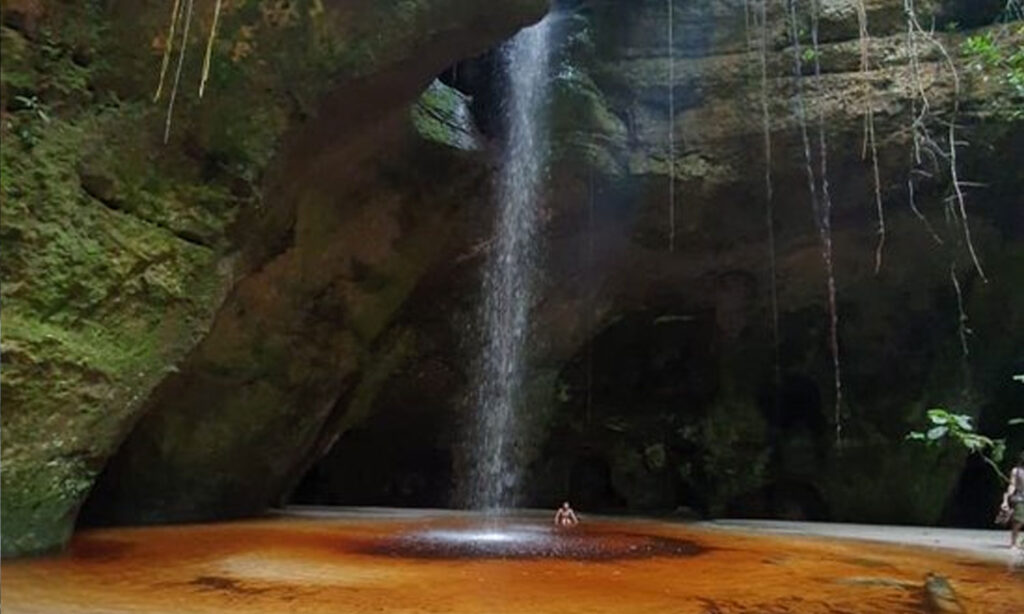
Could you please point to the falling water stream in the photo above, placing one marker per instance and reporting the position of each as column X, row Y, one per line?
column 509, row 272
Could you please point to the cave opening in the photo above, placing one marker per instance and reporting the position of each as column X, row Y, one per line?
column 294, row 318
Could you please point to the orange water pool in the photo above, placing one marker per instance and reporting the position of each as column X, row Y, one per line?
column 391, row 563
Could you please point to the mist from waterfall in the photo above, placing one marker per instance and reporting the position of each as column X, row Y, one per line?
column 509, row 272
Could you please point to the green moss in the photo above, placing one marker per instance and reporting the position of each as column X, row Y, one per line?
column 113, row 245
column 441, row 115
column 995, row 60
column 585, row 126
column 100, row 296
column 735, row 451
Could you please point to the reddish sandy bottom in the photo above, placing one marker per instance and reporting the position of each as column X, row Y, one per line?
column 460, row 564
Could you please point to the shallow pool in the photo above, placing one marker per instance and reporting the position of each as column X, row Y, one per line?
column 444, row 562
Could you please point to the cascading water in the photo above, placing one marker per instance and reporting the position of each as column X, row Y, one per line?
column 508, row 283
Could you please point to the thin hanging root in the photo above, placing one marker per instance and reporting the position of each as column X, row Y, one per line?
column 768, row 188
column 826, row 226
column 177, row 72
column 589, row 322
column 1014, row 9
column 962, row 315
column 920, row 130
column 878, row 191
column 920, row 216
column 823, row 208
column 953, row 173
column 870, row 144
column 671, row 131
column 749, row 19
column 209, row 48
column 957, row 188
column 168, row 44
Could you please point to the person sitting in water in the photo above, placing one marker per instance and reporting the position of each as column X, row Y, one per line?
column 565, row 517
column 1013, row 500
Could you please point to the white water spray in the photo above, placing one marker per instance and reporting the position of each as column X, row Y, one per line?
column 509, row 274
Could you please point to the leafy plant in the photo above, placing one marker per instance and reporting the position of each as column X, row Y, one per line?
column 947, row 426
column 1000, row 58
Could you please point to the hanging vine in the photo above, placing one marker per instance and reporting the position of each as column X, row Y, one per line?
column 181, row 16
column 177, row 71
column 870, row 145
column 945, row 154
column 168, row 45
column 768, row 189
column 821, row 204
column 671, row 129
column 209, row 48
column 757, row 18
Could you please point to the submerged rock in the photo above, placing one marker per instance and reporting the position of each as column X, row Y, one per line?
column 940, row 596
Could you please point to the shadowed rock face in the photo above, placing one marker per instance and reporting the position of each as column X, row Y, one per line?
column 654, row 382
column 121, row 253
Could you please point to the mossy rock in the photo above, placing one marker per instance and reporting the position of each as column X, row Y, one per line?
column 117, row 249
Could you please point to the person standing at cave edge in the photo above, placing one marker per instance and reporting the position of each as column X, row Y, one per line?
column 1013, row 500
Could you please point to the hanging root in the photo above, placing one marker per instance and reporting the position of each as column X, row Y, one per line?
column 1013, row 10
column 758, row 16
column 168, row 44
column 962, row 328
column 768, row 191
column 671, row 130
column 209, row 48
column 822, row 207
column 177, row 72
column 920, row 216
column 924, row 143
column 869, row 125
column 826, row 227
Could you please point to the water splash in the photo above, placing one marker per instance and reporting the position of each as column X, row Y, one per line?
column 508, row 283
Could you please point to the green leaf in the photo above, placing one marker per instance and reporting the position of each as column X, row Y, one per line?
column 937, row 432
column 915, row 436
column 975, row 443
column 1015, row 421
column 998, row 450
column 963, row 421
column 938, row 416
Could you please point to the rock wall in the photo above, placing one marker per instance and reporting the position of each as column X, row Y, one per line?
column 655, row 373
column 121, row 253
column 299, row 265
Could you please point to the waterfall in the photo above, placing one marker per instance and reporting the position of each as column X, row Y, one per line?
column 509, row 273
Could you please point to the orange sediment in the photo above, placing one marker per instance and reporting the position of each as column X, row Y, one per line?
column 456, row 564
